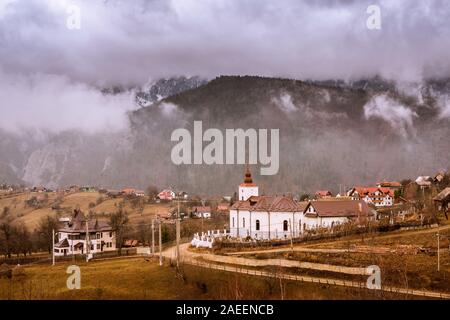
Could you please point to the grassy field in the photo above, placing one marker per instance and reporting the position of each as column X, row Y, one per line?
column 110, row 279
column 137, row 278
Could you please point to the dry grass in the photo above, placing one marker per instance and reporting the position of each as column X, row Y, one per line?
column 111, row 279
column 30, row 216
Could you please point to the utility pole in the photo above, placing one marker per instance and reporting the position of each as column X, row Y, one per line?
column 178, row 232
column 438, row 252
column 203, row 204
column 160, row 243
column 88, row 248
column 153, row 236
column 53, row 247
column 292, row 244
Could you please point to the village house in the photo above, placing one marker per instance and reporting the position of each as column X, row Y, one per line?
column 424, row 181
column 139, row 193
column 166, row 194
column 280, row 217
column 128, row 191
column 439, row 177
column 328, row 214
column 132, row 192
column 113, row 193
column 223, row 207
column 377, row 196
column 73, row 240
column 88, row 189
column 443, row 201
column 321, row 194
column 40, row 189
column 202, row 212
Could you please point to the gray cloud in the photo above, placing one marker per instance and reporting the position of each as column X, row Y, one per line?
column 129, row 41
column 399, row 117
column 53, row 103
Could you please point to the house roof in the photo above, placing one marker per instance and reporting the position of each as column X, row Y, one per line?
column 323, row 193
column 202, row 209
column 339, row 208
column 62, row 244
column 424, row 181
column 270, row 203
column 443, row 195
column 370, row 191
column 78, row 224
column 390, row 184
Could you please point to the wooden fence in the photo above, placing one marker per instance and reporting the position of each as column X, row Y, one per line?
column 327, row 281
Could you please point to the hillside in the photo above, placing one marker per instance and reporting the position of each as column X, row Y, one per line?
column 331, row 133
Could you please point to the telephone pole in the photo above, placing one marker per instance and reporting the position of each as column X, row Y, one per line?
column 53, row 247
column 87, row 240
column 438, row 252
column 292, row 244
column 178, row 233
column 153, row 236
column 160, row 243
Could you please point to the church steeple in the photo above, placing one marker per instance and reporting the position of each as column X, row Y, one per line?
column 248, row 175
column 247, row 189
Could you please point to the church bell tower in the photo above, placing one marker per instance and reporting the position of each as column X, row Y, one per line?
column 248, row 188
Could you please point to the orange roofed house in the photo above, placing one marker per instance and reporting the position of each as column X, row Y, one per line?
column 323, row 194
column 378, row 196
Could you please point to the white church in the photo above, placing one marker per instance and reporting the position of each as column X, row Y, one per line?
column 280, row 217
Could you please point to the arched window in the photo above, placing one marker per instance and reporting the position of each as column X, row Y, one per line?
column 257, row 225
column 285, row 225
column 243, row 222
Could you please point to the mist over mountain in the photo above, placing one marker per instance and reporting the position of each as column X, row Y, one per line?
column 331, row 133
column 164, row 88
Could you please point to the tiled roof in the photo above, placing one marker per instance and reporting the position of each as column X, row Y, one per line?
column 202, row 209
column 445, row 194
column 340, row 208
column 370, row 191
column 78, row 224
column 323, row 193
column 270, row 203
column 62, row 244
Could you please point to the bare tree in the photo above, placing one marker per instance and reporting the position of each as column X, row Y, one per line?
column 6, row 237
column 45, row 228
column 152, row 192
column 118, row 222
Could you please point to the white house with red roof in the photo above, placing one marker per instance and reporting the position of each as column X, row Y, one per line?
column 378, row 196
column 166, row 194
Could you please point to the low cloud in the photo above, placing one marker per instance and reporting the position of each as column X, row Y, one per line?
column 53, row 104
column 444, row 106
column 399, row 117
column 284, row 102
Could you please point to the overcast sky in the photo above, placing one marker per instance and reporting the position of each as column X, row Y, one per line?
column 130, row 42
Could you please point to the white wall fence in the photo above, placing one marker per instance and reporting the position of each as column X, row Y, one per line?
column 206, row 239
